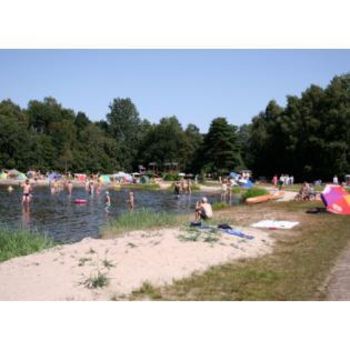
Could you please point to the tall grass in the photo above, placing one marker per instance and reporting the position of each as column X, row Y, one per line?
column 138, row 220
column 220, row 205
column 146, row 187
column 254, row 192
column 18, row 242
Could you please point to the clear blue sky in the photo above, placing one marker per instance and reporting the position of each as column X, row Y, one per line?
column 194, row 85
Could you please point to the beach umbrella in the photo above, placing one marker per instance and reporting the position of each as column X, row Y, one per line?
column 336, row 199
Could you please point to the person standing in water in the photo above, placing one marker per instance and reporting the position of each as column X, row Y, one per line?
column 91, row 188
column 70, row 187
column 107, row 202
column 131, row 201
column 27, row 193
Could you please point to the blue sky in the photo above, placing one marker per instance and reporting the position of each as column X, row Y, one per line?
column 194, row 85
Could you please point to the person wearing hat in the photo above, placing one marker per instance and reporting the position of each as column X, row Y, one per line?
column 203, row 210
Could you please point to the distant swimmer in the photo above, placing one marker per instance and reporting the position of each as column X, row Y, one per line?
column 70, row 187
column 10, row 188
column 107, row 201
column 27, row 192
column 91, row 188
column 131, row 201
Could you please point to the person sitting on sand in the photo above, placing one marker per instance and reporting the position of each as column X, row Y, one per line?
column 131, row 201
column 27, row 190
column 203, row 210
column 304, row 192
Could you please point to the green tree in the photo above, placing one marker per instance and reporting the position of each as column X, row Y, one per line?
column 124, row 126
column 221, row 153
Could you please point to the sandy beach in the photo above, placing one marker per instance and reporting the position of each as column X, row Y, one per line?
column 157, row 257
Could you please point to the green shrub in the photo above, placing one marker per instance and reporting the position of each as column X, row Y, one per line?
column 220, row 205
column 254, row 192
column 18, row 242
column 138, row 220
column 171, row 177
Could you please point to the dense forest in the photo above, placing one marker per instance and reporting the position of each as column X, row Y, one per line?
column 309, row 138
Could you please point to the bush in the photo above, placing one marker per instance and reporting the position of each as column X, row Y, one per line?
column 18, row 242
column 138, row 220
column 220, row 205
column 171, row 177
column 254, row 192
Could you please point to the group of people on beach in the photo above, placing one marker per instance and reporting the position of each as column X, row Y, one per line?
column 283, row 180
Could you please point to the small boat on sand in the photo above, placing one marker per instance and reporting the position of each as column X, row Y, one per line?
column 265, row 198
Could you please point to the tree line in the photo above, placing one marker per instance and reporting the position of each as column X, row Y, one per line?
column 309, row 138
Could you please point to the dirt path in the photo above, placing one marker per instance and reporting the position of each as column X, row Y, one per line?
column 338, row 286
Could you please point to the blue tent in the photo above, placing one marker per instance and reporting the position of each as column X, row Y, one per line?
column 54, row 176
column 233, row 175
column 247, row 184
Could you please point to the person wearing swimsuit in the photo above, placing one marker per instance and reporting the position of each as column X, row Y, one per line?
column 27, row 190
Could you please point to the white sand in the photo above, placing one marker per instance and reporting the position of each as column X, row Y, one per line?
column 154, row 256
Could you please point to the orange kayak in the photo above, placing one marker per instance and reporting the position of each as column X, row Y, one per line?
column 265, row 198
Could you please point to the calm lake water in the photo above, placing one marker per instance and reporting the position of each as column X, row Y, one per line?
column 58, row 216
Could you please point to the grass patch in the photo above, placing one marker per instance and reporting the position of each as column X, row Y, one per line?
column 18, row 242
column 107, row 264
column 220, row 205
column 100, row 280
column 140, row 219
column 146, row 291
column 145, row 187
column 254, row 192
column 296, row 270
column 82, row 261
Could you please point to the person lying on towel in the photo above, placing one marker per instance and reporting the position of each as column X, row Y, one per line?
column 203, row 210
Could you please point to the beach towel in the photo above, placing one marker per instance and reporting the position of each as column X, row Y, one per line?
column 274, row 224
column 234, row 232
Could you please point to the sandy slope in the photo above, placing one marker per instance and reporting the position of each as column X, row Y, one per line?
column 154, row 256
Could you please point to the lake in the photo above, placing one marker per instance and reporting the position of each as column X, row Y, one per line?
column 63, row 220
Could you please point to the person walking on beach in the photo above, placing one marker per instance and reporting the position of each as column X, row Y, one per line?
column 131, row 201
column 27, row 193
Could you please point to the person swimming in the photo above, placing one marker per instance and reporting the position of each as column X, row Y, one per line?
column 10, row 188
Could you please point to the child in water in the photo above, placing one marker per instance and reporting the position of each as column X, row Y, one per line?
column 70, row 187
column 107, row 202
column 131, row 201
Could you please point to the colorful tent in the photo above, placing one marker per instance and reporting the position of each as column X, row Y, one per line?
column 80, row 177
column 336, row 199
column 16, row 175
column 105, row 179
column 246, row 183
